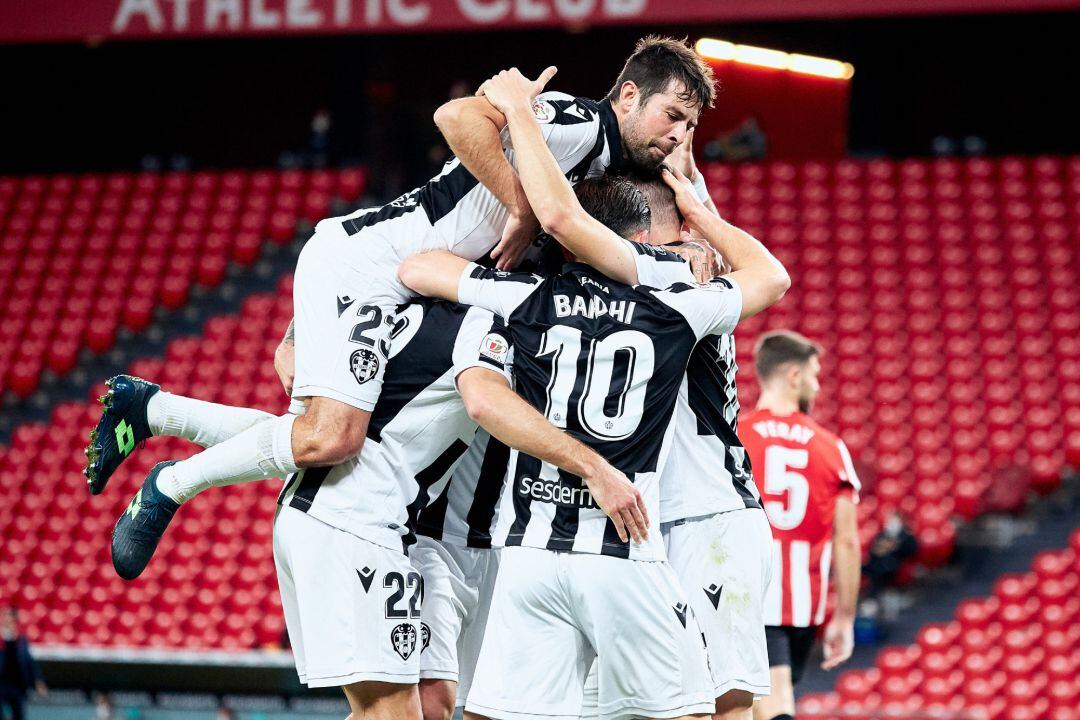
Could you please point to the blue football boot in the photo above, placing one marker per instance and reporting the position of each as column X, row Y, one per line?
column 121, row 428
column 140, row 528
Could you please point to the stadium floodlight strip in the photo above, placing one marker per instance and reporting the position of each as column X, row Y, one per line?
column 714, row 49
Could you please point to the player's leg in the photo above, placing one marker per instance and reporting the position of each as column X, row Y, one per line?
column 650, row 655
column 734, row 705
column 724, row 563
column 534, row 655
column 481, row 572
column 136, row 409
column 780, row 703
column 358, row 607
column 383, row 701
column 340, row 363
column 440, row 628
column 437, row 698
column 792, row 656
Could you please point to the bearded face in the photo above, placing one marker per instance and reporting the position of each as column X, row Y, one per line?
column 652, row 129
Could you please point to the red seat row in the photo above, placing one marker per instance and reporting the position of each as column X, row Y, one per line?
column 1011, row 656
column 83, row 256
column 951, row 367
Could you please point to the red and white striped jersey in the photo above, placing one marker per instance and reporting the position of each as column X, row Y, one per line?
column 800, row 469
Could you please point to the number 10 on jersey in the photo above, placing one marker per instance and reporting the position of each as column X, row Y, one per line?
column 610, row 401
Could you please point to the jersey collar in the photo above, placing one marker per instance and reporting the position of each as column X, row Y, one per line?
column 614, row 138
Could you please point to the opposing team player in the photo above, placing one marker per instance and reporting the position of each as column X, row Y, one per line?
column 346, row 289
column 604, row 360
column 809, row 488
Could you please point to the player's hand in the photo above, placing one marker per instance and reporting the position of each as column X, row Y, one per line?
column 621, row 501
column 518, row 235
column 839, row 641
column 704, row 261
column 682, row 157
column 685, row 196
column 285, row 364
column 510, row 89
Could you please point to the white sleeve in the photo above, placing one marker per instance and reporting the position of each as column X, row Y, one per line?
column 849, row 476
column 482, row 341
column 571, row 128
column 711, row 308
column 659, row 268
column 495, row 290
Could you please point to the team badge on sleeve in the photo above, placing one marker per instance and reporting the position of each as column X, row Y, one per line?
column 364, row 365
column 543, row 111
column 494, row 347
column 403, row 638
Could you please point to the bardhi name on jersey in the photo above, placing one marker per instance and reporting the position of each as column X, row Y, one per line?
column 609, row 375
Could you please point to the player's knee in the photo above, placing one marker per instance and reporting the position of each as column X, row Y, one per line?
column 734, row 705
column 328, row 436
column 437, row 699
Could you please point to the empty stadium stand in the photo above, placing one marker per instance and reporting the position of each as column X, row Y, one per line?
column 86, row 255
column 944, row 291
column 1010, row 656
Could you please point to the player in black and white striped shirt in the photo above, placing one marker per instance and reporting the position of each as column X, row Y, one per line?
column 587, row 354
column 346, row 287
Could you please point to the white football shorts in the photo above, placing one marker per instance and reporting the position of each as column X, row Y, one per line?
column 345, row 294
column 352, row 607
column 553, row 613
column 724, row 562
column 458, row 582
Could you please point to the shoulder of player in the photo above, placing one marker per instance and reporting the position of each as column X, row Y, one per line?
column 821, row 433
column 558, row 108
column 482, row 273
column 655, row 252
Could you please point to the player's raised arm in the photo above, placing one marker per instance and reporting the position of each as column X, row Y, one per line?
column 549, row 193
column 471, row 127
column 760, row 276
column 491, row 402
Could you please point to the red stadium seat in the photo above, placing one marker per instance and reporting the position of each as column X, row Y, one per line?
column 175, row 228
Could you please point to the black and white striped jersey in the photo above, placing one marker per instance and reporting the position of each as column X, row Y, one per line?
column 454, row 211
column 708, row 471
column 418, row 431
column 465, row 510
column 603, row 361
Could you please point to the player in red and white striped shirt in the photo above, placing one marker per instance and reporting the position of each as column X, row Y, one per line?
column 809, row 489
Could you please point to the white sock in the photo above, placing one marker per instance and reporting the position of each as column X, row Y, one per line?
column 260, row 452
column 201, row 422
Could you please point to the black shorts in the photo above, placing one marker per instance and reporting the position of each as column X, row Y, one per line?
column 790, row 646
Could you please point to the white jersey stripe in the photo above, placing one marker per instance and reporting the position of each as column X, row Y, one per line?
column 801, row 594
column 823, row 596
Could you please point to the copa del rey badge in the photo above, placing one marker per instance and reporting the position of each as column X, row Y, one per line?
column 495, row 347
column 543, row 111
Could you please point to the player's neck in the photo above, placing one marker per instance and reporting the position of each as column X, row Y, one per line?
column 777, row 403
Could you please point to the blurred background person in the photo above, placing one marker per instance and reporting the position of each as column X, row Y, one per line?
column 18, row 671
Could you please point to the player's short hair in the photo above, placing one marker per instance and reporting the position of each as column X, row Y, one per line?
column 616, row 203
column 657, row 61
column 777, row 348
column 661, row 200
